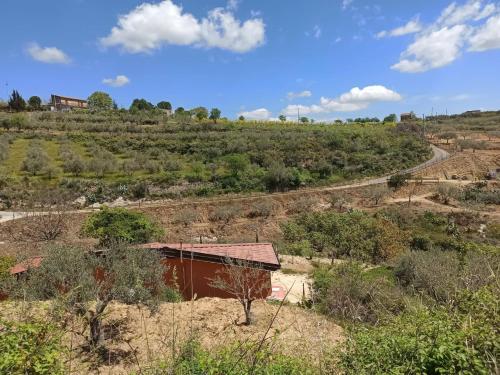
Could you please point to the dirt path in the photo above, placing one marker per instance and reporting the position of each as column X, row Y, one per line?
column 439, row 156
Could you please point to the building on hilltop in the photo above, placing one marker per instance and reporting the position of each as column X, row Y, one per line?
column 65, row 103
column 409, row 116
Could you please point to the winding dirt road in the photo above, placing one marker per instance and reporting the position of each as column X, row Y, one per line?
column 439, row 156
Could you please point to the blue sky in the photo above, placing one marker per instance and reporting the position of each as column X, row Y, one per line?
column 326, row 58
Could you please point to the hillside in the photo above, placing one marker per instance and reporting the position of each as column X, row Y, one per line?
column 104, row 156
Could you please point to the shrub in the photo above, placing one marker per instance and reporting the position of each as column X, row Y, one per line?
column 112, row 225
column 444, row 275
column 398, row 180
column 261, row 208
column 225, row 213
column 30, row 348
column 428, row 341
column 346, row 292
column 244, row 358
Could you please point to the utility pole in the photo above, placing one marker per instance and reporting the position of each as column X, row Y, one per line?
column 298, row 115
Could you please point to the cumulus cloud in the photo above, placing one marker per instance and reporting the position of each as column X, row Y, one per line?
column 472, row 26
column 150, row 26
column 302, row 94
column 354, row 100
column 118, row 81
column 346, row 3
column 433, row 50
column 257, row 114
column 486, row 37
column 412, row 27
column 49, row 55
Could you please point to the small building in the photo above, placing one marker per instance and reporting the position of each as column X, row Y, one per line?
column 65, row 103
column 193, row 266
column 408, row 116
column 472, row 113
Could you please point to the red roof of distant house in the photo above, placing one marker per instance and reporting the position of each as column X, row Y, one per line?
column 24, row 266
column 253, row 252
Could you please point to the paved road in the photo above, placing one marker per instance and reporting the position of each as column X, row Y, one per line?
column 439, row 155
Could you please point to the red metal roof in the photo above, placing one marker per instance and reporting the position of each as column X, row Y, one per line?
column 24, row 266
column 253, row 252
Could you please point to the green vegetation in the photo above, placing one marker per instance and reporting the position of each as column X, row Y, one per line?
column 188, row 154
column 430, row 341
column 353, row 235
column 114, row 225
column 431, row 309
column 30, row 348
column 240, row 359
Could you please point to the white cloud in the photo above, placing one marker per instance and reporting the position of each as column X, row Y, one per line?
column 49, row 55
column 338, row 40
column 317, row 31
column 150, row 26
column 413, row 26
column 232, row 4
column 472, row 26
column 118, row 81
column 486, row 37
column 354, row 100
column 346, row 3
column 472, row 10
column 433, row 50
column 294, row 95
column 257, row 114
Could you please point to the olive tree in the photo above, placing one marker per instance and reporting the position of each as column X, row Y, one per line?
column 244, row 281
column 85, row 283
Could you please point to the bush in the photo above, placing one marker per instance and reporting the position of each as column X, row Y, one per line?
column 351, row 235
column 111, row 225
column 348, row 293
column 399, row 180
column 234, row 360
column 443, row 275
column 429, row 341
column 225, row 213
column 30, row 348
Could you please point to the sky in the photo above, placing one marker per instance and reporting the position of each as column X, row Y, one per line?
column 324, row 59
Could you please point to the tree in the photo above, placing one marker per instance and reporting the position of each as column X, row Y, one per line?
column 74, row 164
column 16, row 102
column 179, row 110
column 243, row 281
column 215, row 115
column 391, row 118
column 45, row 220
column 304, row 120
column 36, row 160
column 35, row 103
column 282, row 118
column 19, row 121
column 164, row 105
column 447, row 136
column 100, row 101
column 201, row 113
column 84, row 283
column 112, row 225
column 378, row 193
column 241, row 118
column 398, row 180
column 141, row 105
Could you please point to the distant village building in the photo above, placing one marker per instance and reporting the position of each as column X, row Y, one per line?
column 65, row 103
column 409, row 116
column 472, row 113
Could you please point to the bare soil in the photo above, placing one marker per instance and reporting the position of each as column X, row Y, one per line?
column 136, row 339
